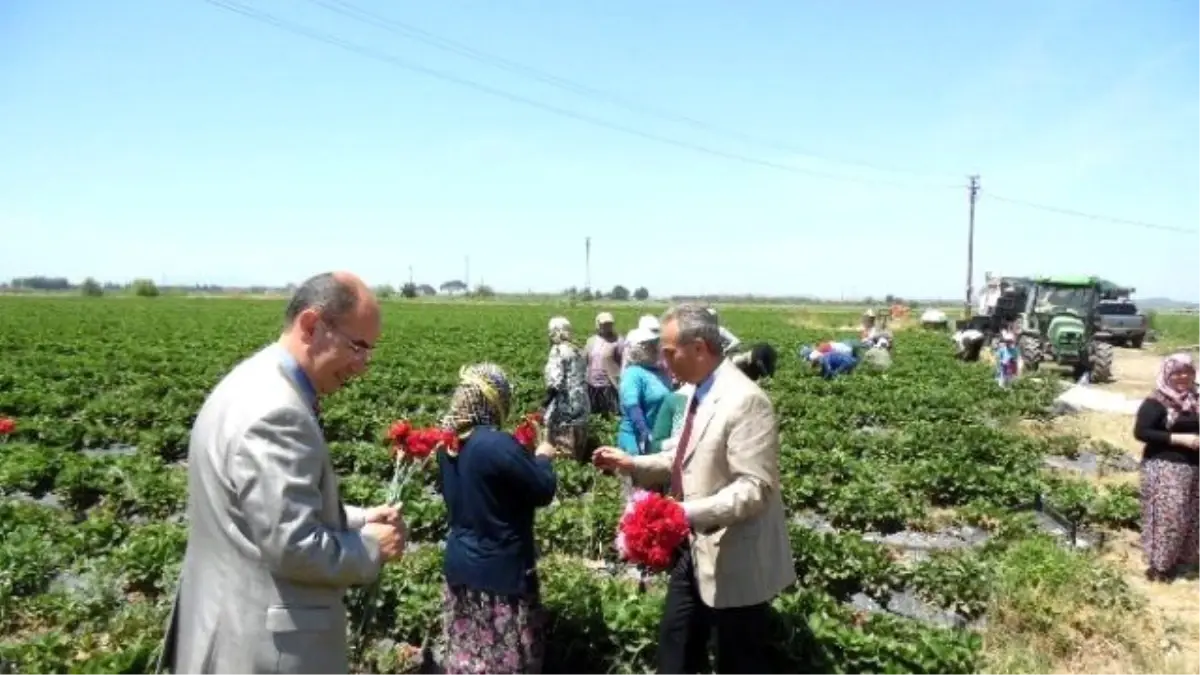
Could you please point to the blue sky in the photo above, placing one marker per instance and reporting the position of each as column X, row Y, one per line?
column 181, row 141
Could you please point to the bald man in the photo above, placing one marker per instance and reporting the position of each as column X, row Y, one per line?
column 271, row 549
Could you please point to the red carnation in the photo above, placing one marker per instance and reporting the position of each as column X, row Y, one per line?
column 7, row 426
column 526, row 433
column 651, row 530
column 399, row 431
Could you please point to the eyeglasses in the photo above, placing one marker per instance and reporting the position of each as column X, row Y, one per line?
column 359, row 347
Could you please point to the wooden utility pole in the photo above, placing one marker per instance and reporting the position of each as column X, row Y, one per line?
column 972, row 196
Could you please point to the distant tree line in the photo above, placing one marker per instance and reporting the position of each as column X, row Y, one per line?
column 453, row 288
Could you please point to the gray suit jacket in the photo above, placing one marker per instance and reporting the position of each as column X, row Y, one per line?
column 271, row 550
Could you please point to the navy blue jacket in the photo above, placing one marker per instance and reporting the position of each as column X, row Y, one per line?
column 492, row 489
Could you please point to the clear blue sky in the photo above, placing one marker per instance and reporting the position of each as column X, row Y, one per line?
column 180, row 141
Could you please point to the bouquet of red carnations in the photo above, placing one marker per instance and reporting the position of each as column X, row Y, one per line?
column 651, row 529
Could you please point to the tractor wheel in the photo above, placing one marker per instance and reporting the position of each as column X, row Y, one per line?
column 1137, row 341
column 1031, row 353
column 1102, row 362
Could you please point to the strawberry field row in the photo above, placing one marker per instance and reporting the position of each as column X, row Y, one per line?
column 104, row 392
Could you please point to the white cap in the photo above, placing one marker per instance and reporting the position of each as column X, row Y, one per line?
column 869, row 314
column 559, row 322
column 640, row 336
column 604, row 317
column 649, row 322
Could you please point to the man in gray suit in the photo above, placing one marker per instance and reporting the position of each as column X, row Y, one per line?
column 271, row 548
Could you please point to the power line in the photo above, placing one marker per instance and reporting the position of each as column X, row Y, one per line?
column 413, row 32
column 344, row 7
column 335, row 41
column 1089, row 216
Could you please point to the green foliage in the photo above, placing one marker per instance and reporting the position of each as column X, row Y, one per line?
column 868, row 451
column 144, row 288
column 91, row 288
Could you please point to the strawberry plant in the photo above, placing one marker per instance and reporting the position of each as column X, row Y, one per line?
column 102, row 395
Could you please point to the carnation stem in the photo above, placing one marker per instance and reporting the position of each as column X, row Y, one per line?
column 401, row 473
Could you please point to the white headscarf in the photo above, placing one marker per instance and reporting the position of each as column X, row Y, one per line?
column 650, row 323
column 559, row 329
column 642, row 347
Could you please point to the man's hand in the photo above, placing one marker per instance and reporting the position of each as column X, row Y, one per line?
column 387, row 515
column 390, row 539
column 612, row 459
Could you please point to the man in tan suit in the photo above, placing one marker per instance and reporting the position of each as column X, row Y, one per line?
column 724, row 469
column 271, row 548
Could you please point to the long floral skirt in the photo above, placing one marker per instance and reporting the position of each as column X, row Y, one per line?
column 488, row 633
column 1170, row 525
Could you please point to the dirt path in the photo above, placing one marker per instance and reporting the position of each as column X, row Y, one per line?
column 1177, row 605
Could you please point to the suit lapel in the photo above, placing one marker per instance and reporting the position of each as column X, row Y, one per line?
column 705, row 413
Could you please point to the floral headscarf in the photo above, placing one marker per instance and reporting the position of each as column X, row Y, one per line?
column 1175, row 401
column 642, row 348
column 560, row 330
column 483, row 397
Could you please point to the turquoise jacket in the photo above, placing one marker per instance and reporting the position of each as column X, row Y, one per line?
column 642, row 393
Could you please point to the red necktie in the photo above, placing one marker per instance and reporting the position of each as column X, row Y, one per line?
column 677, row 465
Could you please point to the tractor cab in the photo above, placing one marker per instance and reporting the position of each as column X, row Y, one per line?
column 1057, row 325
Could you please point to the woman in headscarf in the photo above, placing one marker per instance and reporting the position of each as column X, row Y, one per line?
column 567, row 406
column 492, row 613
column 643, row 389
column 1168, row 423
column 604, row 365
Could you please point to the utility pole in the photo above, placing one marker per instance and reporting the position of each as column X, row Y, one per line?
column 972, row 197
column 410, row 275
column 467, row 271
column 587, row 262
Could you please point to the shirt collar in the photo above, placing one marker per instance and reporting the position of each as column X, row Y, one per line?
column 292, row 367
column 705, row 385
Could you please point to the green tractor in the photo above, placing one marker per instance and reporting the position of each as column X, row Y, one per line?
column 1058, row 326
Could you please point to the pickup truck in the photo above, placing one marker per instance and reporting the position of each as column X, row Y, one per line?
column 1120, row 322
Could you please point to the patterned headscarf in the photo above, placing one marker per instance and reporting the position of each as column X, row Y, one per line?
column 560, row 330
column 482, row 397
column 1175, row 401
column 642, row 348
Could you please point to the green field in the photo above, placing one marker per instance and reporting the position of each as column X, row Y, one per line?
column 103, row 392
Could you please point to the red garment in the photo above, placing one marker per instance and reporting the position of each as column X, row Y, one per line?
column 677, row 465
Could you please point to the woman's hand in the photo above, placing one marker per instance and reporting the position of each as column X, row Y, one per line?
column 1189, row 441
column 546, row 450
column 612, row 459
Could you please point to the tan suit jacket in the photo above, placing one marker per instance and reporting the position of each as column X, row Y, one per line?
column 740, row 546
column 271, row 549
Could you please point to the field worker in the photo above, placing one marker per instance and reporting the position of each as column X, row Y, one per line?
column 604, row 354
column 643, row 389
column 567, row 406
column 831, row 363
column 729, row 341
column 827, row 346
column 492, row 616
column 270, row 546
column 1007, row 358
column 757, row 362
column 967, row 344
column 869, row 330
column 650, row 322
